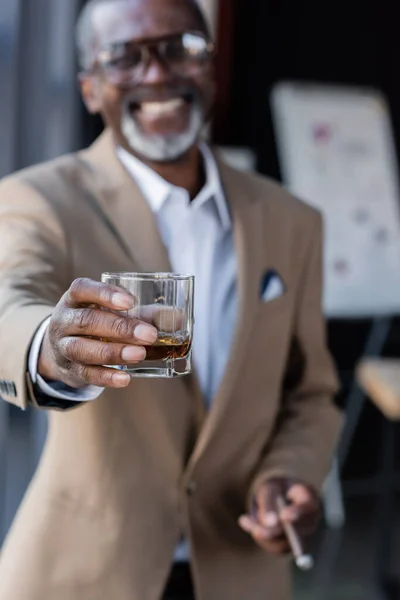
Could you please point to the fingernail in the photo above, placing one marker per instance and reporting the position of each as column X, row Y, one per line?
column 146, row 333
column 121, row 379
column 122, row 301
column 133, row 353
column 244, row 523
column 270, row 519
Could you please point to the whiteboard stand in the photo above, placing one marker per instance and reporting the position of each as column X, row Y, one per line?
column 333, row 498
column 355, row 401
column 332, row 495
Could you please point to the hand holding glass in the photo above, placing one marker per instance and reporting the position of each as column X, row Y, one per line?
column 164, row 300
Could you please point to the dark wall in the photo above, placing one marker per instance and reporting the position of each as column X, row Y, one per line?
column 341, row 42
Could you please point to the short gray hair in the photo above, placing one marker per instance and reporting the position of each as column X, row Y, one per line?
column 85, row 34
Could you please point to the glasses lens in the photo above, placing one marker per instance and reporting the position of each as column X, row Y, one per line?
column 121, row 61
column 188, row 47
column 129, row 60
column 123, row 57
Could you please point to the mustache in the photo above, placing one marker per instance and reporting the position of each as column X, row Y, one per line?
column 151, row 94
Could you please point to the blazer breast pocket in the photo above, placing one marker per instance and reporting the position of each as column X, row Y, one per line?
column 272, row 286
column 274, row 312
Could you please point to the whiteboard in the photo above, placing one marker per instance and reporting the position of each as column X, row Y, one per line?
column 336, row 152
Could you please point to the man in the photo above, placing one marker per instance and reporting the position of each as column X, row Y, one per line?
column 141, row 479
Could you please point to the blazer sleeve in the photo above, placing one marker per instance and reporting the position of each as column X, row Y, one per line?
column 34, row 274
column 308, row 423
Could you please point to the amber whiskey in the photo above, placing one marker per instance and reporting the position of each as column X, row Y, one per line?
column 168, row 347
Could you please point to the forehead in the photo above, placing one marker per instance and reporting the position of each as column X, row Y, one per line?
column 141, row 19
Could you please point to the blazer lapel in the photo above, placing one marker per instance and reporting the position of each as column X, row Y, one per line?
column 123, row 205
column 249, row 236
column 129, row 216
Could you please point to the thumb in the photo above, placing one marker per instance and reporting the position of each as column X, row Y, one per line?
column 302, row 501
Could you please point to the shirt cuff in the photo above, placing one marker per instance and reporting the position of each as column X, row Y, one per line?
column 56, row 389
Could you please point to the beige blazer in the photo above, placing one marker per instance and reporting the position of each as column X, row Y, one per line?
column 123, row 477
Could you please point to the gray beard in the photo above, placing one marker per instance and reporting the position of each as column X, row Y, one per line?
column 159, row 148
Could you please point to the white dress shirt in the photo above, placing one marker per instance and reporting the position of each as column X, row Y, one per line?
column 198, row 236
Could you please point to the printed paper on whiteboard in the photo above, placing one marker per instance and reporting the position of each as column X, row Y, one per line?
column 337, row 153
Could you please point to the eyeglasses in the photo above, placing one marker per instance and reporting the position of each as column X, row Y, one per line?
column 124, row 63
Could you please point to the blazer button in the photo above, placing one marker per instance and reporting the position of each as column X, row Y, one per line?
column 191, row 487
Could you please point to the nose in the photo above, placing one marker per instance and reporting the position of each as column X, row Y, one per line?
column 155, row 71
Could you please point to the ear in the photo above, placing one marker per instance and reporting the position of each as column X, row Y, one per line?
column 90, row 92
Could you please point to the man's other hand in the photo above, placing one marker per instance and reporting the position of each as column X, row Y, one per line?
column 264, row 523
column 74, row 350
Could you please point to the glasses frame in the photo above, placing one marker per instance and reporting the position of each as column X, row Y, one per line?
column 149, row 49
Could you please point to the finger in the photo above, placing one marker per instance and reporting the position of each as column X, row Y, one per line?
column 246, row 523
column 107, row 325
column 266, row 509
column 293, row 513
column 251, row 526
column 304, row 523
column 100, row 376
column 86, row 291
column 276, row 546
column 94, row 352
column 254, row 528
column 300, row 494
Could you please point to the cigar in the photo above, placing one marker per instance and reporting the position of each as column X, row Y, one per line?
column 303, row 561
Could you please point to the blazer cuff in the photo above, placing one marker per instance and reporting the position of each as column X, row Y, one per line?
column 53, row 394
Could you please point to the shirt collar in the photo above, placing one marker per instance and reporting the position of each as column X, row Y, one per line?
column 156, row 190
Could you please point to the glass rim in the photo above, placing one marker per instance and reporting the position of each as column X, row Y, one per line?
column 148, row 276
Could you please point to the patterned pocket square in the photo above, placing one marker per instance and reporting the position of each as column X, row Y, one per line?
column 272, row 286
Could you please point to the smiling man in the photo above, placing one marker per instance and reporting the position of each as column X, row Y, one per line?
column 155, row 113
column 160, row 489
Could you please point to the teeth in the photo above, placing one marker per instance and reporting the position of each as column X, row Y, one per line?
column 161, row 108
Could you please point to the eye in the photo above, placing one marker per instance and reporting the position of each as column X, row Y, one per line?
column 128, row 60
column 120, row 56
